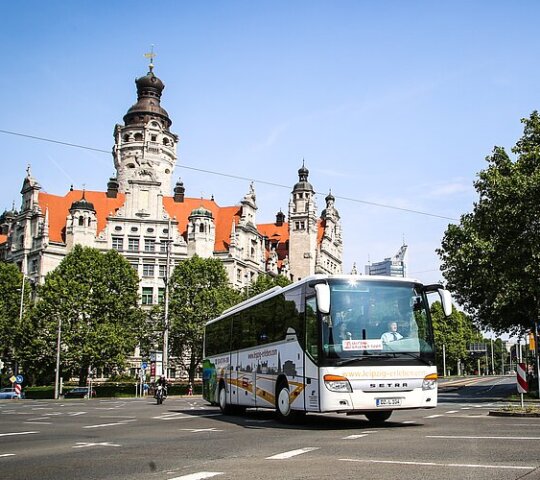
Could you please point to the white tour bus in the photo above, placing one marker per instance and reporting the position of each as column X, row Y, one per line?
column 344, row 343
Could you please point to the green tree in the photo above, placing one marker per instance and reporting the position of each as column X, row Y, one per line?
column 491, row 260
column 95, row 296
column 265, row 282
column 456, row 333
column 11, row 296
column 199, row 291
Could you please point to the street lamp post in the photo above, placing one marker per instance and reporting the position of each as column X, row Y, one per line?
column 57, row 373
column 166, row 308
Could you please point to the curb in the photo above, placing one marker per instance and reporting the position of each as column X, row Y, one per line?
column 513, row 414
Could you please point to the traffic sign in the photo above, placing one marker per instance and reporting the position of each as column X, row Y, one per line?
column 144, row 366
column 18, row 388
column 522, row 385
column 12, row 379
column 19, row 379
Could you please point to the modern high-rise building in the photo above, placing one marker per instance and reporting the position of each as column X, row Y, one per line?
column 395, row 266
column 139, row 216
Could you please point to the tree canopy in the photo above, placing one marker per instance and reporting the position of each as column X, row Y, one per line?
column 199, row 291
column 95, row 296
column 491, row 260
column 265, row 282
column 12, row 294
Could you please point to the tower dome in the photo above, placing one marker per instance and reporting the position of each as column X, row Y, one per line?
column 82, row 204
column 149, row 89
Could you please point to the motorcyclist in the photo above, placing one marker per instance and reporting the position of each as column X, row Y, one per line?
column 162, row 381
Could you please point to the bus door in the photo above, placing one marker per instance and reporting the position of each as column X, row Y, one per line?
column 311, row 357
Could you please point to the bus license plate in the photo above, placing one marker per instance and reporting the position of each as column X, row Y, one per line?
column 388, row 402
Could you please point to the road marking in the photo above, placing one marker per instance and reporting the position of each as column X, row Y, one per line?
column 16, row 433
column 452, row 411
column 197, row 476
column 123, row 422
column 197, row 430
column 38, row 423
column 433, row 416
column 433, row 464
column 354, row 437
column 292, row 453
column 7, row 455
column 461, row 437
column 76, row 414
column 90, row 444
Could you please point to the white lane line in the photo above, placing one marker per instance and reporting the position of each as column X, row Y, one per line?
column 198, row 430
column 197, row 476
column 37, row 423
column 433, row 416
column 90, row 444
column 7, row 455
column 292, row 453
column 123, row 422
column 16, row 433
column 354, row 437
column 452, row 411
column 465, row 437
column 433, row 464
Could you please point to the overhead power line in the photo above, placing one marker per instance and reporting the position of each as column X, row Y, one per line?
column 239, row 177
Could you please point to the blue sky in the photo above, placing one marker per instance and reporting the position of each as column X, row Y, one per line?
column 391, row 102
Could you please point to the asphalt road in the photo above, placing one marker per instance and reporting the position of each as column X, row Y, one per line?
column 187, row 439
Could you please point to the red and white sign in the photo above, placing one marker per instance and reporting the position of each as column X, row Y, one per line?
column 18, row 388
column 522, row 385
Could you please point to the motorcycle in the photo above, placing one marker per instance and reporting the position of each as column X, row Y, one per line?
column 160, row 394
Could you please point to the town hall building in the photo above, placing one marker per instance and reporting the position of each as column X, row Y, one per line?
column 154, row 225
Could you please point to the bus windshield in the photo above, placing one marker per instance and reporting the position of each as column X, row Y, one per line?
column 377, row 319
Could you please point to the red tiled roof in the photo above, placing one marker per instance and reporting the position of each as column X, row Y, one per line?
column 58, row 208
column 3, row 239
column 223, row 217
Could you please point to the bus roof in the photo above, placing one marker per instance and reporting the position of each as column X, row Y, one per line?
column 317, row 277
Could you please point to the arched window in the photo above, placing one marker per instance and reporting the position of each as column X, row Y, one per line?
column 138, row 137
column 81, row 221
column 201, row 228
column 126, row 138
column 165, row 141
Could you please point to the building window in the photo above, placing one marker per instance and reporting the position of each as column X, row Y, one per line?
column 135, row 266
column 147, row 295
column 117, row 243
column 162, row 271
column 133, row 244
column 161, row 296
column 33, row 266
column 149, row 245
column 299, row 225
column 148, row 270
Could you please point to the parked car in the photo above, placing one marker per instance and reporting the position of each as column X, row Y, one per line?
column 9, row 393
column 79, row 392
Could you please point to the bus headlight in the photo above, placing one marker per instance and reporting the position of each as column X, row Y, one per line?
column 337, row 383
column 430, row 382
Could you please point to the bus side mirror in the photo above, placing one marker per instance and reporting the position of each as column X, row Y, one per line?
column 446, row 300
column 322, row 291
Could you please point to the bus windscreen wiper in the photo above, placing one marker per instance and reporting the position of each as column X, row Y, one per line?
column 363, row 356
column 416, row 356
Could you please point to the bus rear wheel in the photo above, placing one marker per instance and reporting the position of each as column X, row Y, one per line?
column 225, row 408
column 284, row 411
column 378, row 417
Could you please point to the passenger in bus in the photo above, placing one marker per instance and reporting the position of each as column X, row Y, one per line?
column 392, row 334
column 343, row 331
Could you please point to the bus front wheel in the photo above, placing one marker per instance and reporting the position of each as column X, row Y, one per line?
column 378, row 417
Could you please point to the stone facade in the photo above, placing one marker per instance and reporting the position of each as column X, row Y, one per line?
column 137, row 216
